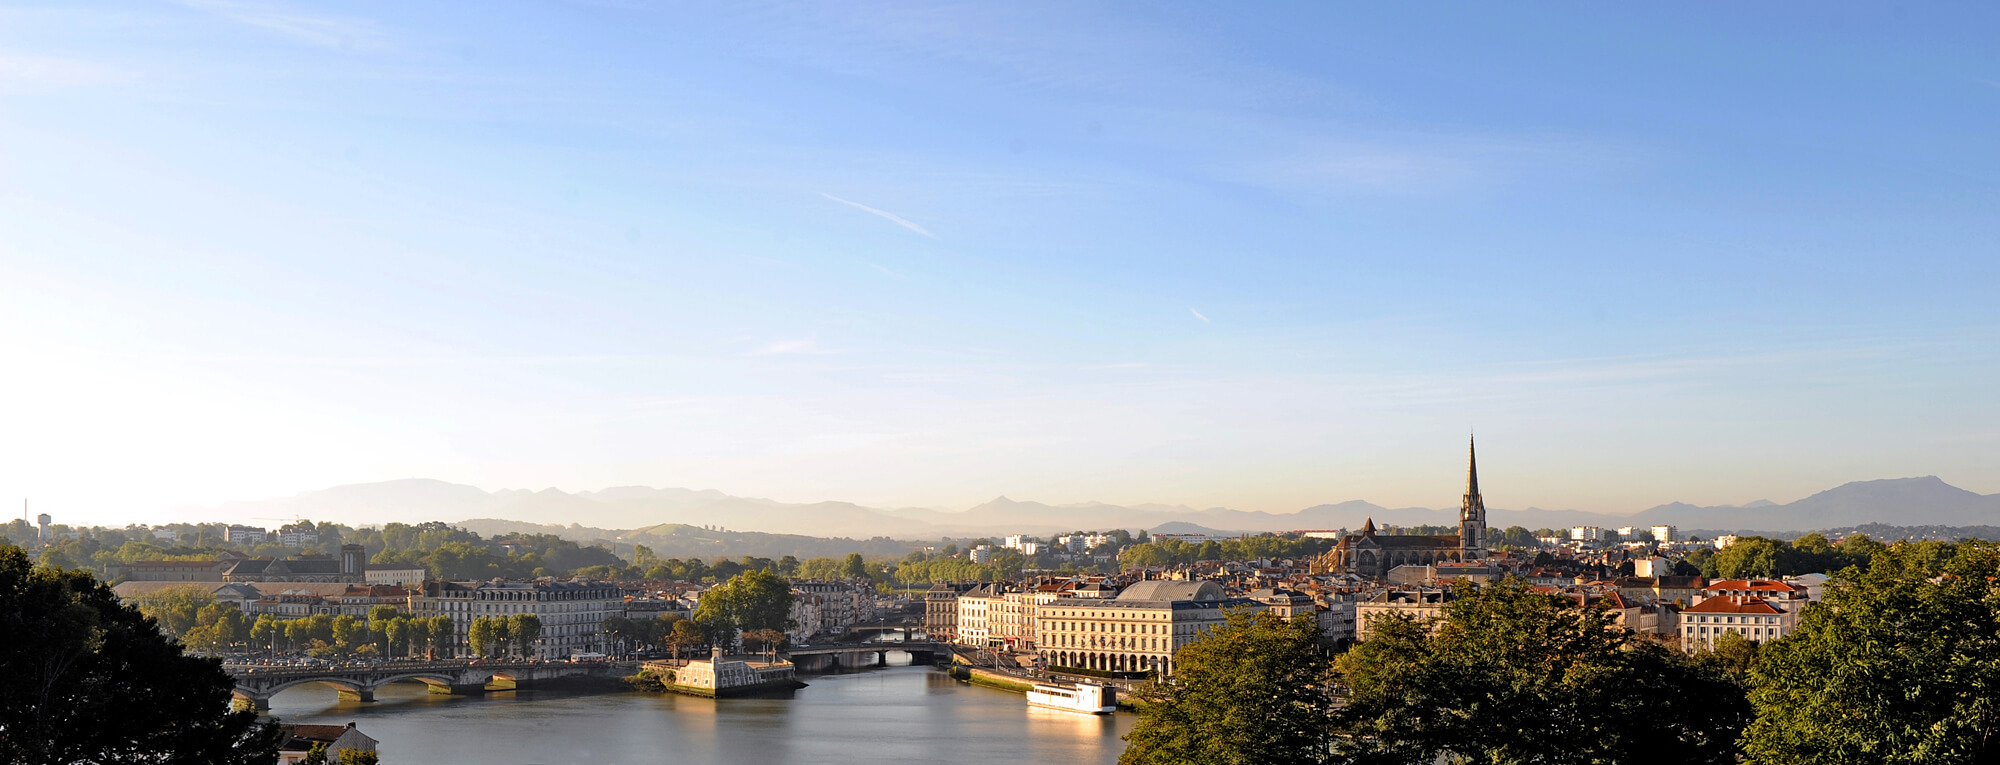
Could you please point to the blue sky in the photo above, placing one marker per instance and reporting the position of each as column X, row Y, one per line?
column 1261, row 257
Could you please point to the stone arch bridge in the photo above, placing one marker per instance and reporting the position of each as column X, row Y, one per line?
column 834, row 658
column 256, row 684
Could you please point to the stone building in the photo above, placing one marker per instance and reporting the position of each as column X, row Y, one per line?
column 1373, row 555
column 572, row 612
column 1138, row 631
column 974, row 606
column 1419, row 604
column 941, row 610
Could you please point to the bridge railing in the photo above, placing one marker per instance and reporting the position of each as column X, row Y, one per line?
column 333, row 669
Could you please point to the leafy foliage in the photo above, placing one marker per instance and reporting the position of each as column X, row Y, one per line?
column 1510, row 675
column 1763, row 557
column 1173, row 551
column 193, row 615
column 1900, row 664
column 752, row 601
column 525, row 629
column 85, row 679
column 1250, row 691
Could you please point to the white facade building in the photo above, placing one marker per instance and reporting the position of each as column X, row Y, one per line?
column 572, row 612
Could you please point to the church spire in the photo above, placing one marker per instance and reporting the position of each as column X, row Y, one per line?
column 1472, row 513
column 1471, row 468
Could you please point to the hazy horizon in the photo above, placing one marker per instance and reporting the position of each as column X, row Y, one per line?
column 1261, row 258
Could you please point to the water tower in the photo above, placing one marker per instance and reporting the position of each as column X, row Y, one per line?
column 42, row 531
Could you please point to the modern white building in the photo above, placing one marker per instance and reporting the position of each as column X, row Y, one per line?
column 247, row 535
column 1077, row 543
column 1666, row 533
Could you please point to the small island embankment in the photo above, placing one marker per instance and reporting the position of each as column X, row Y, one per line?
column 715, row 677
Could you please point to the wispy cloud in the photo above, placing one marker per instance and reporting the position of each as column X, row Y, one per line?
column 1197, row 314
column 805, row 346
column 31, row 74
column 324, row 31
column 897, row 219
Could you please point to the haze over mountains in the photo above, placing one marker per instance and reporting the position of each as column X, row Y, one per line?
column 1907, row 501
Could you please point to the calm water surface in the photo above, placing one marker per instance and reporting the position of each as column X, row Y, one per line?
column 899, row 714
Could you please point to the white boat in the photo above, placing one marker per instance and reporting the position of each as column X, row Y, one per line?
column 1088, row 698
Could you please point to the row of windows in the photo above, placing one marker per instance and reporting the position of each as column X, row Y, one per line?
column 1149, row 629
column 1749, row 631
column 1699, row 619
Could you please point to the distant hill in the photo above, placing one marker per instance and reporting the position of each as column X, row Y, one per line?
column 606, row 513
column 1925, row 501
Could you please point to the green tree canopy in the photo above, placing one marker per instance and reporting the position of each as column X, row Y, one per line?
column 525, row 629
column 1899, row 664
column 85, row 679
column 1249, row 692
column 1510, row 675
column 752, row 601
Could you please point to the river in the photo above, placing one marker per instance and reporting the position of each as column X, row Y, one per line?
column 897, row 714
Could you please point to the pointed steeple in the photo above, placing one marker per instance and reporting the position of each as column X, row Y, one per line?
column 1368, row 529
column 1472, row 512
column 1471, row 467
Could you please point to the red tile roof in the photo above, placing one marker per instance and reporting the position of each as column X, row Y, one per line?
column 1731, row 606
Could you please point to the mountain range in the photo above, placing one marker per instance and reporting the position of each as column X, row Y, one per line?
column 1904, row 501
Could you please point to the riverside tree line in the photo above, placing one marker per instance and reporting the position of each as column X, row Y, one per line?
column 1899, row 664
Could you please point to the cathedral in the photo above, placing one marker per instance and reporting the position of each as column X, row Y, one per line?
column 1371, row 555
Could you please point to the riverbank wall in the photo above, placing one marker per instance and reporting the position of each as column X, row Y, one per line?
column 1005, row 682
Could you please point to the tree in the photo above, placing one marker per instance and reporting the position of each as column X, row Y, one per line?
column 396, row 635
column 85, row 679
column 1752, row 557
column 1899, row 664
column 348, row 633
column 1733, row 654
column 378, row 622
column 265, row 631
column 767, row 640
column 444, row 635
column 176, row 608
column 1510, row 675
column 1250, row 691
column 685, row 634
column 752, row 601
column 419, row 635
column 479, row 637
column 854, row 567
column 525, row 630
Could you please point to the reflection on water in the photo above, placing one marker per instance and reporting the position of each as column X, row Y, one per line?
column 906, row 714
